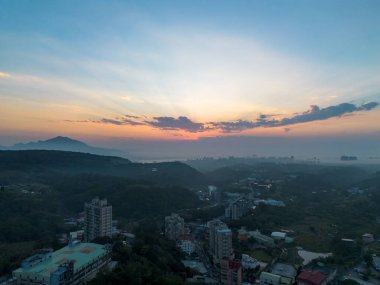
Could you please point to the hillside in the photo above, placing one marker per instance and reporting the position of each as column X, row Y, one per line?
column 29, row 163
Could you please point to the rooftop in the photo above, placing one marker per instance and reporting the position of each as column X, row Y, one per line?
column 81, row 254
column 284, row 269
column 312, row 277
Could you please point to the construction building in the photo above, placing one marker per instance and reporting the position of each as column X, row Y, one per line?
column 174, row 227
column 98, row 219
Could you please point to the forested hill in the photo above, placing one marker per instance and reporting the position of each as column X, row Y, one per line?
column 26, row 162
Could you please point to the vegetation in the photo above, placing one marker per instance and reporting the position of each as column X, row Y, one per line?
column 40, row 188
column 152, row 260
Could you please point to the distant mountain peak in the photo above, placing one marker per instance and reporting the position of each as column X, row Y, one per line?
column 62, row 140
column 66, row 144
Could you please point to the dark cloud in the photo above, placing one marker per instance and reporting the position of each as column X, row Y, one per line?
column 369, row 106
column 313, row 114
column 316, row 114
column 131, row 117
column 180, row 123
column 234, row 126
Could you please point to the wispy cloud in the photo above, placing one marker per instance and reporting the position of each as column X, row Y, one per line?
column 4, row 74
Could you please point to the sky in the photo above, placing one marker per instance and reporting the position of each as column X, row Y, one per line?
column 188, row 70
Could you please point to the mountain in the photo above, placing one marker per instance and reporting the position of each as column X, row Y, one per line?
column 65, row 144
column 29, row 164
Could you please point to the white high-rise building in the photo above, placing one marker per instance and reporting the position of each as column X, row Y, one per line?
column 98, row 219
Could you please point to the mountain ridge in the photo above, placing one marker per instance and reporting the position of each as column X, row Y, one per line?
column 62, row 143
column 28, row 163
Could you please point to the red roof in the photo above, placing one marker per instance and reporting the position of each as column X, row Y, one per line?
column 234, row 265
column 312, row 277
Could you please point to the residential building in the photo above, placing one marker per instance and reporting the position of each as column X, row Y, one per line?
column 223, row 244
column 98, row 219
column 196, row 265
column 278, row 235
column 186, row 244
column 238, row 208
column 174, row 226
column 270, row 202
column 376, row 262
column 248, row 262
column 213, row 225
column 262, row 239
column 328, row 270
column 368, row 238
column 198, row 279
column 287, row 273
column 267, row 278
column 74, row 264
column 230, row 272
column 312, row 278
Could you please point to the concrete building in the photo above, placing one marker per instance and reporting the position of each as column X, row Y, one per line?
column 98, row 219
column 174, row 226
column 230, row 272
column 368, row 238
column 267, row 278
column 70, row 265
column 213, row 225
column 249, row 262
column 278, row 235
column 287, row 273
column 198, row 279
column 262, row 239
column 186, row 244
column 376, row 262
column 238, row 209
column 223, row 243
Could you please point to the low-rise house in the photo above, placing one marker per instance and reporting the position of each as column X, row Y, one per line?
column 248, row 262
column 287, row 273
column 195, row 265
column 368, row 238
column 267, row 278
column 197, row 279
column 376, row 262
column 186, row 244
column 328, row 271
column 262, row 239
column 312, row 278
column 278, row 235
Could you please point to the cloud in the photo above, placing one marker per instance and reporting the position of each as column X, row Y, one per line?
column 120, row 121
column 313, row 114
column 4, row 74
column 130, row 116
column 180, row 123
column 239, row 125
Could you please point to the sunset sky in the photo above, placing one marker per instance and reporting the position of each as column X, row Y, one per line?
column 184, row 70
